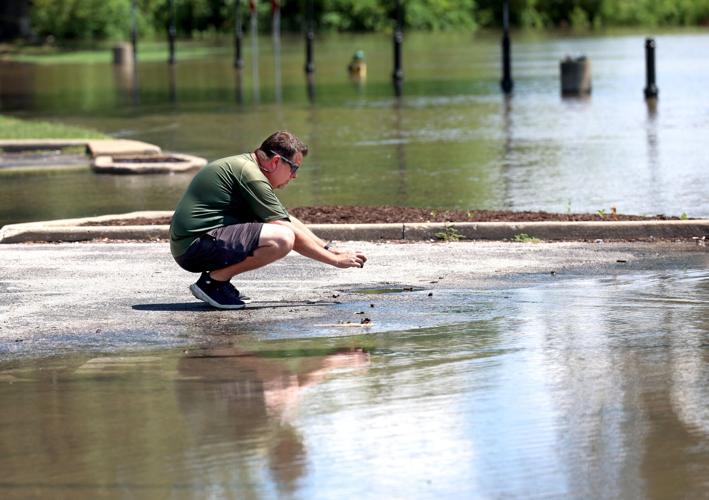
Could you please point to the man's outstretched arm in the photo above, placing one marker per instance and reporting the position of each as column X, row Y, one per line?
column 309, row 245
column 296, row 222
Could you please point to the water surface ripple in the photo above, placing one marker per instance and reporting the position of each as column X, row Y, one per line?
column 585, row 388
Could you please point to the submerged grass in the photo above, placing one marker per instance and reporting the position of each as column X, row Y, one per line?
column 147, row 52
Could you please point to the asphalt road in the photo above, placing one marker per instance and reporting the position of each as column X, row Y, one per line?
column 106, row 297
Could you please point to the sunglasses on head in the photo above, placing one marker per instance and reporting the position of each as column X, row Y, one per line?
column 293, row 165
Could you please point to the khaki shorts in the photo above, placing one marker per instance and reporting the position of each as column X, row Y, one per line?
column 221, row 247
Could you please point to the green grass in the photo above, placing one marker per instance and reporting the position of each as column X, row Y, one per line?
column 14, row 128
column 147, row 52
column 450, row 233
column 525, row 238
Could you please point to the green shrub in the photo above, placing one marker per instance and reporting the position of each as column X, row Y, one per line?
column 93, row 20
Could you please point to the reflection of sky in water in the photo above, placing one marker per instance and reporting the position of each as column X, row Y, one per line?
column 580, row 399
column 583, row 388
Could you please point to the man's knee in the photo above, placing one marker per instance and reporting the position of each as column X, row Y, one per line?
column 279, row 237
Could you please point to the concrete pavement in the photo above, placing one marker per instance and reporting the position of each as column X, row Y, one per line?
column 104, row 297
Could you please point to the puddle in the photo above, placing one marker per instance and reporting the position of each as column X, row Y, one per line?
column 589, row 388
column 385, row 290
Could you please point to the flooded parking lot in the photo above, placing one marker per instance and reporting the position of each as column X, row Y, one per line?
column 452, row 141
column 583, row 387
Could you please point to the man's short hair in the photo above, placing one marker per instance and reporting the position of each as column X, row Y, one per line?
column 283, row 143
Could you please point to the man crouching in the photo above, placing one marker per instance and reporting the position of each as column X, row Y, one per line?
column 230, row 221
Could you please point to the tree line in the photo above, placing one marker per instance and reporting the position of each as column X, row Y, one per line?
column 95, row 20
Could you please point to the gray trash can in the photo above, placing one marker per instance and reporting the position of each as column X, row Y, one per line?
column 575, row 76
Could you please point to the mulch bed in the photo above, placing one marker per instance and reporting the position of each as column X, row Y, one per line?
column 337, row 214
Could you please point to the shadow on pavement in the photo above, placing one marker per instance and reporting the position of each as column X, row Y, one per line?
column 202, row 307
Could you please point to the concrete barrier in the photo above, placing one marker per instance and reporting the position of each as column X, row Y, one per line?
column 354, row 232
column 147, row 164
column 72, row 230
column 553, row 230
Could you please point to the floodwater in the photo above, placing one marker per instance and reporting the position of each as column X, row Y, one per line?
column 583, row 388
column 451, row 141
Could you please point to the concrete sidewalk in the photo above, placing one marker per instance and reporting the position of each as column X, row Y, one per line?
column 68, row 230
column 107, row 297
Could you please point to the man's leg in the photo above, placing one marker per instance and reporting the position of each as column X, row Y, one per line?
column 274, row 243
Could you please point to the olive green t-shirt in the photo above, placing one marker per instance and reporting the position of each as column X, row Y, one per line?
column 229, row 191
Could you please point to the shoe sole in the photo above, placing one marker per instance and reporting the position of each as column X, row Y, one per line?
column 197, row 292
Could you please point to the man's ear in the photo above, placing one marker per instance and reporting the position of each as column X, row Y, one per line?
column 262, row 157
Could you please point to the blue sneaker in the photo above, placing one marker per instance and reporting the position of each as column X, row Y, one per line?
column 222, row 295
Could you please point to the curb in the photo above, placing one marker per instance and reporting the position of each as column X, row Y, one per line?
column 71, row 230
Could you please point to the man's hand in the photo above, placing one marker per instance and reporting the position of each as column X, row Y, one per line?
column 345, row 258
column 309, row 245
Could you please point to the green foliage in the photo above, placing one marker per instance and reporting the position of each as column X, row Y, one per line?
column 684, row 216
column 449, row 234
column 585, row 14
column 525, row 238
column 439, row 14
column 84, row 20
column 360, row 15
column 92, row 20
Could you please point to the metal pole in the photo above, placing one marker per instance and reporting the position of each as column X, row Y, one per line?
column 398, row 74
column 276, row 26
column 651, row 90
column 238, row 35
column 133, row 31
column 506, row 82
column 309, row 39
column 254, row 50
column 172, row 33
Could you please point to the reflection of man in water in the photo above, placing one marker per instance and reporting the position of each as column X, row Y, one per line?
column 240, row 406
